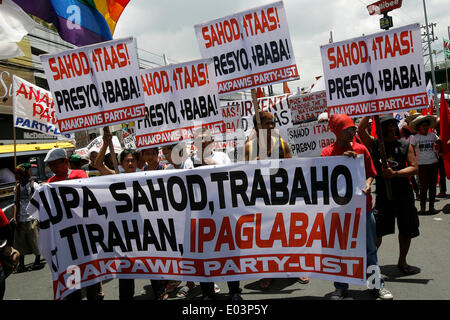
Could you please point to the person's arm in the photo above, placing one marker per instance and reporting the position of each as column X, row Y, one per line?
column 247, row 150
column 288, row 150
column 410, row 170
column 364, row 135
column 368, row 188
column 16, row 214
column 99, row 164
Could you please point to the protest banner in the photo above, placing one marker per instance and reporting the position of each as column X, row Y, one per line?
column 213, row 223
column 34, row 109
column 130, row 141
column 250, row 49
column 375, row 74
column 239, row 114
column 82, row 152
column 307, row 107
column 446, row 50
column 98, row 143
column 178, row 99
column 308, row 140
column 95, row 86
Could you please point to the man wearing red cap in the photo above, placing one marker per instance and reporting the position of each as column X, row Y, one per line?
column 344, row 129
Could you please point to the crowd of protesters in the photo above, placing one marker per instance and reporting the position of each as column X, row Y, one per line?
column 414, row 163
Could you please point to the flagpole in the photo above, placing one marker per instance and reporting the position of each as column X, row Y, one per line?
column 446, row 74
column 258, row 121
column 433, row 78
column 111, row 151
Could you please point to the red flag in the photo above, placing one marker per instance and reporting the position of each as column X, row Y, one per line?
column 286, row 88
column 373, row 130
column 445, row 133
column 259, row 93
column 425, row 111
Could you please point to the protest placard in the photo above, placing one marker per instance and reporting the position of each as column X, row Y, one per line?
column 446, row 50
column 239, row 114
column 214, row 223
column 98, row 143
column 95, row 86
column 375, row 74
column 178, row 99
column 34, row 109
column 250, row 49
column 130, row 141
column 308, row 140
column 307, row 107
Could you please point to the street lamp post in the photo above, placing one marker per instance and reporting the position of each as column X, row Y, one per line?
column 433, row 79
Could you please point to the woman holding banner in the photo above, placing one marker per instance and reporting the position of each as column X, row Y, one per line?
column 203, row 142
column 174, row 154
column 128, row 164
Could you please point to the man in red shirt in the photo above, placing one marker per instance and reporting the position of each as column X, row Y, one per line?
column 344, row 129
column 57, row 161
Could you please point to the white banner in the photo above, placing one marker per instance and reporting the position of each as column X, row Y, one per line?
column 95, row 86
column 239, row 114
column 34, row 109
column 178, row 99
column 308, row 140
column 250, row 49
column 272, row 218
column 306, row 107
column 375, row 74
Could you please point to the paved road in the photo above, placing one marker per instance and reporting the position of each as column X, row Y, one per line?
column 429, row 254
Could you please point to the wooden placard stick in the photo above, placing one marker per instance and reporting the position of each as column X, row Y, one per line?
column 382, row 150
column 261, row 141
column 111, row 151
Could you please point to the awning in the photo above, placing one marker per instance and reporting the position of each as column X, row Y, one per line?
column 32, row 149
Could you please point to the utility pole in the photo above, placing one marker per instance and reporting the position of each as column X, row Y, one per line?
column 433, row 78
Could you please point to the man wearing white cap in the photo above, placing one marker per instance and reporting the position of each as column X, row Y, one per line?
column 57, row 161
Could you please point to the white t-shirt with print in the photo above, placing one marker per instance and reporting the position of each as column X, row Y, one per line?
column 25, row 194
column 424, row 148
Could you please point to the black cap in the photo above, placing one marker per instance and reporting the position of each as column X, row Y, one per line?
column 387, row 117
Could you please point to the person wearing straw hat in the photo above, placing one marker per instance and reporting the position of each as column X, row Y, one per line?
column 426, row 148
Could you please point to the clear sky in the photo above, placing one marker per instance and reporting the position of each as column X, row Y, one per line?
column 167, row 27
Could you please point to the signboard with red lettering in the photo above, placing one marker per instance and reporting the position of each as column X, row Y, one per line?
column 95, row 86
column 383, row 6
column 375, row 74
column 239, row 114
column 34, row 109
column 178, row 99
column 306, row 107
column 250, row 49
column 308, row 139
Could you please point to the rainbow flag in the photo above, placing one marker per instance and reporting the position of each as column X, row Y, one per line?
column 80, row 22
